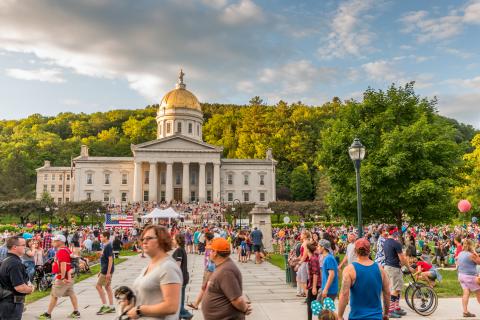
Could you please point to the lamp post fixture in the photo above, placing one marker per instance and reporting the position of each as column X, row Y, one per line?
column 47, row 209
column 357, row 153
column 98, row 213
column 233, row 209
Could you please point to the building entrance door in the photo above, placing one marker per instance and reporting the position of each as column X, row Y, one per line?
column 177, row 194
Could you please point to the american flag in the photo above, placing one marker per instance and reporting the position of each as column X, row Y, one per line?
column 118, row 220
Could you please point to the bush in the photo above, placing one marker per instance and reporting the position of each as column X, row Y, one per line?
column 307, row 224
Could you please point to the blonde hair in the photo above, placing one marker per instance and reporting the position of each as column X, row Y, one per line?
column 468, row 245
column 307, row 234
column 328, row 315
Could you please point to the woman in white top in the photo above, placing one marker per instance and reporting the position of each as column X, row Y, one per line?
column 158, row 287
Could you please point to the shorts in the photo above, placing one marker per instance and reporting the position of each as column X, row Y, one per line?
column 244, row 252
column 62, row 290
column 257, row 248
column 102, row 280
column 432, row 275
column 468, row 282
column 395, row 276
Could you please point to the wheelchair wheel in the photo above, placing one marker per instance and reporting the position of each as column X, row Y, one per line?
column 424, row 300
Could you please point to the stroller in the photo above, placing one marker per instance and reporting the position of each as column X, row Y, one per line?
column 43, row 277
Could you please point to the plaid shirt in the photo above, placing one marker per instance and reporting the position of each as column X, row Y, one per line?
column 314, row 269
column 47, row 242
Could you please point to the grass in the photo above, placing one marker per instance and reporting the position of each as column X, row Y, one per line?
column 448, row 288
column 128, row 253
column 94, row 270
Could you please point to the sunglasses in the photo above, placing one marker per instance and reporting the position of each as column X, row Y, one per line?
column 147, row 239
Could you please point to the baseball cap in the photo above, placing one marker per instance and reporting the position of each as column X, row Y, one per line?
column 363, row 243
column 325, row 243
column 220, row 245
column 59, row 237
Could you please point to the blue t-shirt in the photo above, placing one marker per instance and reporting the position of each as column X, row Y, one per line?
column 392, row 248
column 107, row 252
column 329, row 263
column 257, row 237
column 196, row 237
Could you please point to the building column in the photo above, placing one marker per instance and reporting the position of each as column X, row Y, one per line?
column 186, row 182
column 169, row 182
column 153, row 182
column 274, row 185
column 137, row 182
column 201, row 182
column 216, row 182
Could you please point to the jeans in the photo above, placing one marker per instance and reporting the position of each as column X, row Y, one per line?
column 10, row 310
column 184, row 312
column 30, row 268
column 310, row 298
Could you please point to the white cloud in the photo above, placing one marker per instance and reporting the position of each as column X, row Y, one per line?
column 463, row 107
column 473, row 83
column 457, row 53
column 472, row 12
column 44, row 75
column 350, row 34
column 246, row 86
column 243, row 11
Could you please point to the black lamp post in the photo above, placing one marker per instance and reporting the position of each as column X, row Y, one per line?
column 233, row 209
column 357, row 153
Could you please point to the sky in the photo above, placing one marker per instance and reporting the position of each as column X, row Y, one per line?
column 99, row 55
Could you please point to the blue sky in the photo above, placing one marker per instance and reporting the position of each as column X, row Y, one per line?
column 97, row 55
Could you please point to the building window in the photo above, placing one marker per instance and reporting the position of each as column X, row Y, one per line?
column 178, row 179
column 230, row 196
column 162, row 196
column 59, row 200
column 245, row 179
column 89, row 196
column 209, row 195
column 67, row 199
column 193, row 179
column 209, row 177
column 107, row 178
column 45, row 177
column 60, row 188
column 60, row 177
column 124, row 197
column 67, row 188
column 145, row 195
column 262, row 196
column 53, row 177
column 246, row 196
column 52, row 188
column 106, row 196
column 193, row 198
column 147, row 177
column 124, row 178
column 162, row 177
column 179, row 127
column 169, row 127
column 230, row 179
column 262, row 180
column 190, row 128
column 68, row 177
column 45, row 188
column 89, row 178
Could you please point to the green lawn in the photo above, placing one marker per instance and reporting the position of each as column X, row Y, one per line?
column 94, row 270
column 128, row 253
column 449, row 287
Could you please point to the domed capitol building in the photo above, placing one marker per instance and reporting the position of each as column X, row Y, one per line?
column 177, row 166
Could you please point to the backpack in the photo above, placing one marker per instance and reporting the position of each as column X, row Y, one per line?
column 293, row 258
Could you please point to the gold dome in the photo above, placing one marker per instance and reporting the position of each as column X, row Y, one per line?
column 180, row 97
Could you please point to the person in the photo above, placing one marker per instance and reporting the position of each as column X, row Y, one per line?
column 180, row 256
column 158, row 287
column 224, row 299
column 301, row 267
column 117, row 246
column 394, row 259
column 467, row 261
column 380, row 253
column 425, row 271
column 350, row 255
column 257, row 238
column 47, row 240
column 107, row 267
column 364, row 282
column 28, row 259
column 329, row 270
column 87, row 244
column 314, row 276
column 14, row 278
column 63, row 284
column 196, row 240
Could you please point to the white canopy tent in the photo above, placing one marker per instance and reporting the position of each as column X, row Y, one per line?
column 157, row 213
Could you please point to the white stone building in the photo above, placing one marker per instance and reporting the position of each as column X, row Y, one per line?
column 178, row 166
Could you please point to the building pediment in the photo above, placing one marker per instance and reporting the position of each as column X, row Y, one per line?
column 176, row 143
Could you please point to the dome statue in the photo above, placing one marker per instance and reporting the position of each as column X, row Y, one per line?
column 180, row 97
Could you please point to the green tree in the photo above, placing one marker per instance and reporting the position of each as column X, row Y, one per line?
column 411, row 161
column 80, row 209
column 301, row 183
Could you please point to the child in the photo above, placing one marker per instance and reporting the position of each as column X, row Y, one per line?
column 243, row 247
column 328, row 315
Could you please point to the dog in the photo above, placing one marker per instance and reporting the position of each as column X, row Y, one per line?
column 126, row 300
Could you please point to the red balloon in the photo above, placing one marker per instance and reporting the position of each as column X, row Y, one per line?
column 464, row 206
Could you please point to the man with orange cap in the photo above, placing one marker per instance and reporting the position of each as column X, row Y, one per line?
column 224, row 297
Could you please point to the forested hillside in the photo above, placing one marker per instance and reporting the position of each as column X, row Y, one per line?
column 293, row 131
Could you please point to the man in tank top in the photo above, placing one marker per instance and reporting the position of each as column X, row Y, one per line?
column 364, row 283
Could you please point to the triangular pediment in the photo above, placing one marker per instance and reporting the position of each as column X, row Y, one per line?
column 176, row 142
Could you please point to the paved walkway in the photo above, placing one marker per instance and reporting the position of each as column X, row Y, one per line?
column 263, row 284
